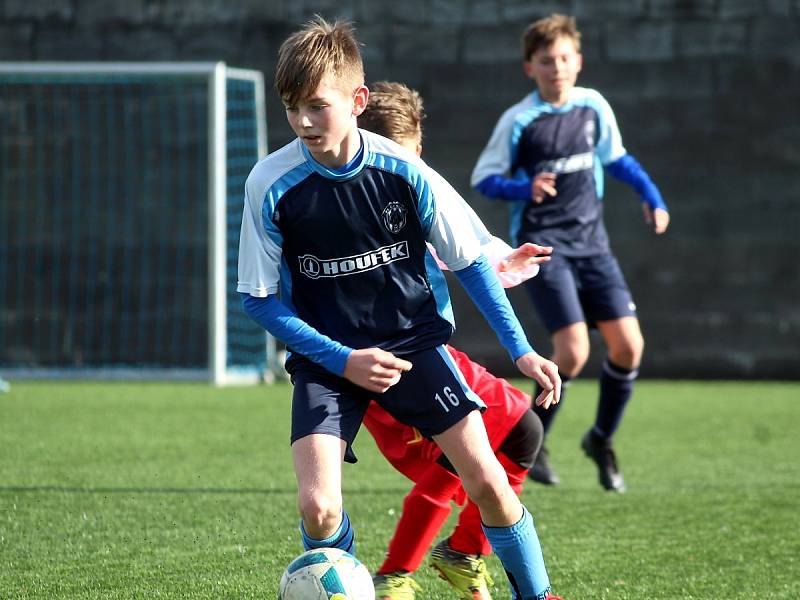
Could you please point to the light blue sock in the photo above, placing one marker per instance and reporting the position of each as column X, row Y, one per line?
column 343, row 538
column 518, row 548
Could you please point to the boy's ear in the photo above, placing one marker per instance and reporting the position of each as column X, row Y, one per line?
column 360, row 100
column 527, row 67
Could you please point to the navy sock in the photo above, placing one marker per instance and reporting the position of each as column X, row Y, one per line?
column 548, row 414
column 616, row 387
column 343, row 538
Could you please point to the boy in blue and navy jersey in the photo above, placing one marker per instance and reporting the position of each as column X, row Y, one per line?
column 546, row 157
column 333, row 261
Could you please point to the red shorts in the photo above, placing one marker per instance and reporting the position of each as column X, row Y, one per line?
column 411, row 453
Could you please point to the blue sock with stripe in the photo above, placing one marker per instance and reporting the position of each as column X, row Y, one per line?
column 343, row 538
column 518, row 548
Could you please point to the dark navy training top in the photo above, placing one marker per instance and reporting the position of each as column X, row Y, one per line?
column 574, row 141
column 346, row 250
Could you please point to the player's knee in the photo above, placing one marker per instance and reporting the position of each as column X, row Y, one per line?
column 488, row 487
column 571, row 360
column 320, row 512
column 571, row 348
column 628, row 353
column 570, row 351
column 486, row 493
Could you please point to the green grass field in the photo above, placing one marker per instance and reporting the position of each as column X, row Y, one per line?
column 185, row 491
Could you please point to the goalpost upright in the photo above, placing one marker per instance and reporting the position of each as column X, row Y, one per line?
column 98, row 139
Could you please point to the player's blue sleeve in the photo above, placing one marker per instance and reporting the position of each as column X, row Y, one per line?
column 284, row 324
column 503, row 188
column 627, row 169
column 484, row 288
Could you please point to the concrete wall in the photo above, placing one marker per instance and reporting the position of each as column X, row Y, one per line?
column 706, row 92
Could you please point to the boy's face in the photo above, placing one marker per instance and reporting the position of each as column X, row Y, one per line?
column 325, row 121
column 555, row 69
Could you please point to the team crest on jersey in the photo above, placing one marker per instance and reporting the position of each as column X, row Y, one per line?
column 314, row 268
column 394, row 217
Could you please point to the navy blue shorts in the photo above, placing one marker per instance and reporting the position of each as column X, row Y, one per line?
column 587, row 289
column 432, row 397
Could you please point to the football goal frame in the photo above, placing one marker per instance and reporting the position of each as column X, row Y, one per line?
column 48, row 332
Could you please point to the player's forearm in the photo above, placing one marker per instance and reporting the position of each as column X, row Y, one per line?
column 483, row 287
column 628, row 170
column 502, row 188
column 285, row 325
column 496, row 252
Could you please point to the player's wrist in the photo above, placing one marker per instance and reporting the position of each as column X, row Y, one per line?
column 655, row 203
column 521, row 350
column 337, row 361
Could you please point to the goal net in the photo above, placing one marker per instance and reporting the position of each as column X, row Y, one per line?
column 121, row 194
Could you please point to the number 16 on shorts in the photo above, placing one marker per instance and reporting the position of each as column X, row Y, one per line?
column 447, row 398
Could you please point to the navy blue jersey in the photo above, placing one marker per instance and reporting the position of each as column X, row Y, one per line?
column 347, row 251
column 574, row 141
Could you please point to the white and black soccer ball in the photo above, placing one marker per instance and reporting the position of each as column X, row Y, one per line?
column 326, row 574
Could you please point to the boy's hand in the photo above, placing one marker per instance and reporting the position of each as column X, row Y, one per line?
column 374, row 369
column 523, row 257
column 545, row 372
column 658, row 218
column 544, row 184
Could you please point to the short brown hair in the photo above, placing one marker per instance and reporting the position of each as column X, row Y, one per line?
column 544, row 32
column 394, row 111
column 318, row 49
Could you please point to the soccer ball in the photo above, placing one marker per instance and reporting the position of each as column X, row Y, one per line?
column 326, row 574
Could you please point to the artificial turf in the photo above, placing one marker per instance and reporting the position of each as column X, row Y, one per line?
column 158, row 490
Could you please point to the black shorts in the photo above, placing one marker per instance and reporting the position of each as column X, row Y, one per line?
column 586, row 289
column 432, row 397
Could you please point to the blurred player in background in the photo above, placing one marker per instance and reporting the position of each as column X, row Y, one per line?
column 333, row 262
column 546, row 158
column 515, row 432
